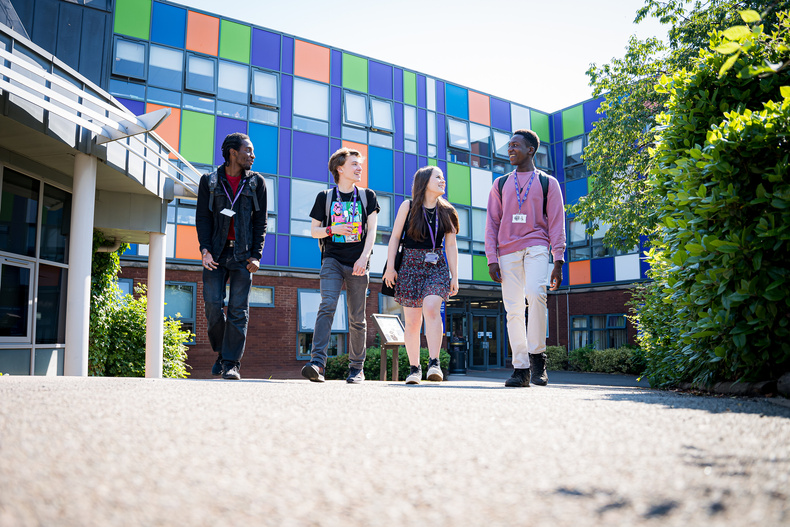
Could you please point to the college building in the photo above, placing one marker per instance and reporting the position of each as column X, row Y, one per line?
column 68, row 66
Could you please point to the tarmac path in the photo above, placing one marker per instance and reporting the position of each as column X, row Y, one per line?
column 115, row 451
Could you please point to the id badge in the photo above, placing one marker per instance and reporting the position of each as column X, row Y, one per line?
column 228, row 212
column 519, row 218
column 431, row 258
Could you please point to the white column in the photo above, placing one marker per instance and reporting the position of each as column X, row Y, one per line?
column 155, row 329
column 80, row 253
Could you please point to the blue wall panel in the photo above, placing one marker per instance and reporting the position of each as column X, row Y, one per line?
column 265, row 49
column 574, row 190
column 285, row 153
column 225, row 126
column 457, row 101
column 169, row 25
column 283, row 243
column 268, row 251
column 336, row 68
column 264, row 140
column 440, row 97
column 334, row 146
column 559, row 162
column 397, row 172
column 284, row 207
column 95, row 37
column 410, row 167
column 421, row 91
column 398, row 126
column 589, row 113
column 556, row 120
column 602, row 270
column 379, row 79
column 286, row 100
column 380, row 169
column 441, row 132
column 500, row 114
column 422, row 132
column 398, row 85
column 336, row 112
column 306, row 253
column 287, row 63
column 137, row 107
column 310, row 155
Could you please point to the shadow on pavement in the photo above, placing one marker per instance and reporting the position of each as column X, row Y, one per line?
column 712, row 404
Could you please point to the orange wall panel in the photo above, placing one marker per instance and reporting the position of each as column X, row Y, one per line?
column 362, row 149
column 579, row 272
column 170, row 129
column 311, row 61
column 479, row 108
column 187, row 245
column 202, row 33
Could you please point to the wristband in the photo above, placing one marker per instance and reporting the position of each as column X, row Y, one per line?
column 329, row 230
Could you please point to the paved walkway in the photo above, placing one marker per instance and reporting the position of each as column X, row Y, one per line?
column 105, row 452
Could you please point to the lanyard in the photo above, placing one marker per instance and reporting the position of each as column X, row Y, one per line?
column 238, row 193
column 353, row 204
column 518, row 190
column 435, row 225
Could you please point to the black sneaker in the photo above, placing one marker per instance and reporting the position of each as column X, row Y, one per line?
column 355, row 376
column 537, row 365
column 519, row 379
column 231, row 372
column 216, row 370
column 415, row 375
column 434, row 370
column 313, row 372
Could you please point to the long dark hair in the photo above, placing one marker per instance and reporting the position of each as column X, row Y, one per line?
column 448, row 217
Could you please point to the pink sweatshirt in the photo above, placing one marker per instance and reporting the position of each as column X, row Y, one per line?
column 505, row 237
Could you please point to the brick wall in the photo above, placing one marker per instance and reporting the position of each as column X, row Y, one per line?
column 562, row 306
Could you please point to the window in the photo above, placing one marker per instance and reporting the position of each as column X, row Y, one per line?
column 126, row 286
column 574, row 166
column 232, row 110
column 602, row 331
column 578, row 241
column 385, row 214
column 501, row 160
column 20, row 211
column 16, row 299
column 165, row 97
column 165, row 68
column 432, row 134
column 261, row 296
column 355, row 109
column 381, row 115
column 180, row 304
column 265, row 89
column 478, row 230
column 462, row 237
column 51, row 305
column 308, row 302
column 302, row 199
column 201, row 74
column 599, row 250
column 233, row 82
column 55, row 224
column 542, row 157
column 457, row 141
column 198, row 103
column 271, row 204
column 264, row 116
column 480, row 142
column 129, row 59
column 311, row 107
column 430, row 93
column 410, row 129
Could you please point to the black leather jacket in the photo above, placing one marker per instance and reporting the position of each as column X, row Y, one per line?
column 213, row 227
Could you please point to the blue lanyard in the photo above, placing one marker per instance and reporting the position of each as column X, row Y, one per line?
column 518, row 190
column 238, row 193
column 353, row 204
column 435, row 224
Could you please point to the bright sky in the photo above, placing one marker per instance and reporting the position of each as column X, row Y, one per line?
column 533, row 53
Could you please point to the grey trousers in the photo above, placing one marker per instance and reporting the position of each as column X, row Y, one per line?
column 332, row 275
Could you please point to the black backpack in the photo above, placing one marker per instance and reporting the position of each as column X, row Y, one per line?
column 544, row 183
column 330, row 198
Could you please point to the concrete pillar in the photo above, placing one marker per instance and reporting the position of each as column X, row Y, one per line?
column 155, row 329
column 80, row 253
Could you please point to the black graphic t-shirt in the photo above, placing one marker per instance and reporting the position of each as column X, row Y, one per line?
column 345, row 249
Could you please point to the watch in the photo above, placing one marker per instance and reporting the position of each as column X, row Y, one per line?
column 329, row 230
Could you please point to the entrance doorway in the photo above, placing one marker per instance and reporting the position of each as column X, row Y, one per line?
column 485, row 341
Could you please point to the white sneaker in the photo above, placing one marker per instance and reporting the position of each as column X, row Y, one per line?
column 415, row 375
column 434, row 370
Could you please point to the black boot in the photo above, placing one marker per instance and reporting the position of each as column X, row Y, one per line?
column 216, row 370
column 537, row 364
column 519, row 379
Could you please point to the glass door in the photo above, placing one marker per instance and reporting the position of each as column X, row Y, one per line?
column 485, row 341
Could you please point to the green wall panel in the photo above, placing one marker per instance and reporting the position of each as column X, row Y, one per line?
column 133, row 18
column 480, row 268
column 459, row 184
column 197, row 137
column 410, row 88
column 540, row 125
column 432, row 162
column 234, row 41
column 355, row 73
column 573, row 122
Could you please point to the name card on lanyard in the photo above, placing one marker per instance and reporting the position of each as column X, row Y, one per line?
column 229, row 212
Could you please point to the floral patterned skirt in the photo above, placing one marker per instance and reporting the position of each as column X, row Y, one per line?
column 417, row 279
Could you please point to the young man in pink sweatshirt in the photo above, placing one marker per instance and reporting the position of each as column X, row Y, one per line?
column 518, row 238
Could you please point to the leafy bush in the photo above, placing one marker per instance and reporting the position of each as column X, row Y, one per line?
column 337, row 367
column 718, row 307
column 627, row 359
column 556, row 358
column 579, row 359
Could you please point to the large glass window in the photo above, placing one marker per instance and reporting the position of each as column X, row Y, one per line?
column 578, row 241
column 311, row 107
column 51, row 306
column 201, row 74
column 384, row 216
column 233, row 82
column 129, row 59
column 574, row 166
column 55, row 224
column 165, row 68
column 462, row 237
column 309, row 301
column 542, row 158
column 356, row 109
column 480, row 141
column 15, row 300
column 457, row 141
column 432, row 134
column 478, row 230
column 602, row 331
column 302, row 198
column 410, row 129
column 381, row 115
column 180, row 303
column 501, row 163
column 265, row 88
column 18, row 213
column 599, row 250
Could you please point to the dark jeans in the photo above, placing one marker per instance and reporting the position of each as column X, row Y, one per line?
column 333, row 274
column 227, row 335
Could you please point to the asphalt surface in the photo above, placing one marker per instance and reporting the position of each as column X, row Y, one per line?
column 101, row 451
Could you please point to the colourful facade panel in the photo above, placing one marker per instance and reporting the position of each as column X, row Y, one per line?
column 305, row 253
column 169, row 25
column 202, row 33
column 226, row 126
column 602, row 270
column 355, row 73
column 479, row 108
column 380, row 79
column 409, row 88
column 579, row 272
column 459, row 184
column 380, row 169
column 170, row 129
column 363, row 150
column 500, row 114
column 310, row 156
column 132, row 18
column 264, row 140
column 311, row 61
column 573, row 122
column 187, row 245
column 234, row 41
column 457, row 101
column 265, row 51
column 197, row 137
column 480, row 268
column 540, row 125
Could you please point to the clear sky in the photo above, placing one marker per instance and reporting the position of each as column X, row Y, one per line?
column 533, row 53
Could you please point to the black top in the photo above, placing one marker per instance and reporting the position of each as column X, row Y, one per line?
column 345, row 249
column 426, row 243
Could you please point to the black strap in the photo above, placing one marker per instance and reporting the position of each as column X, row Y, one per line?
column 544, row 183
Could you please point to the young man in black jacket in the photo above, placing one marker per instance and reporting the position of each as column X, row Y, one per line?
column 231, row 226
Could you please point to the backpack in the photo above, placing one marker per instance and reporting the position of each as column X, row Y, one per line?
column 213, row 181
column 544, row 183
column 330, row 198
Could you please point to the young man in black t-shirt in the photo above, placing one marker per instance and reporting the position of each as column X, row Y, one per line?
column 348, row 235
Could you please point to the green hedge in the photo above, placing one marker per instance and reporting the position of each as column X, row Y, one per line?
column 628, row 359
column 337, row 367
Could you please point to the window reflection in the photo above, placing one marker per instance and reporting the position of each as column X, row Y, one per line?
column 55, row 223
column 18, row 212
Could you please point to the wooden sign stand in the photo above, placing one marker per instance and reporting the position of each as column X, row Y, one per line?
column 392, row 337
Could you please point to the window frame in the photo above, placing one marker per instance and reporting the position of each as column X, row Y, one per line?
column 142, row 43
column 302, row 330
column 253, row 71
column 151, row 82
column 371, row 118
column 350, row 122
column 261, row 304
column 591, row 332
column 193, row 320
column 189, row 89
